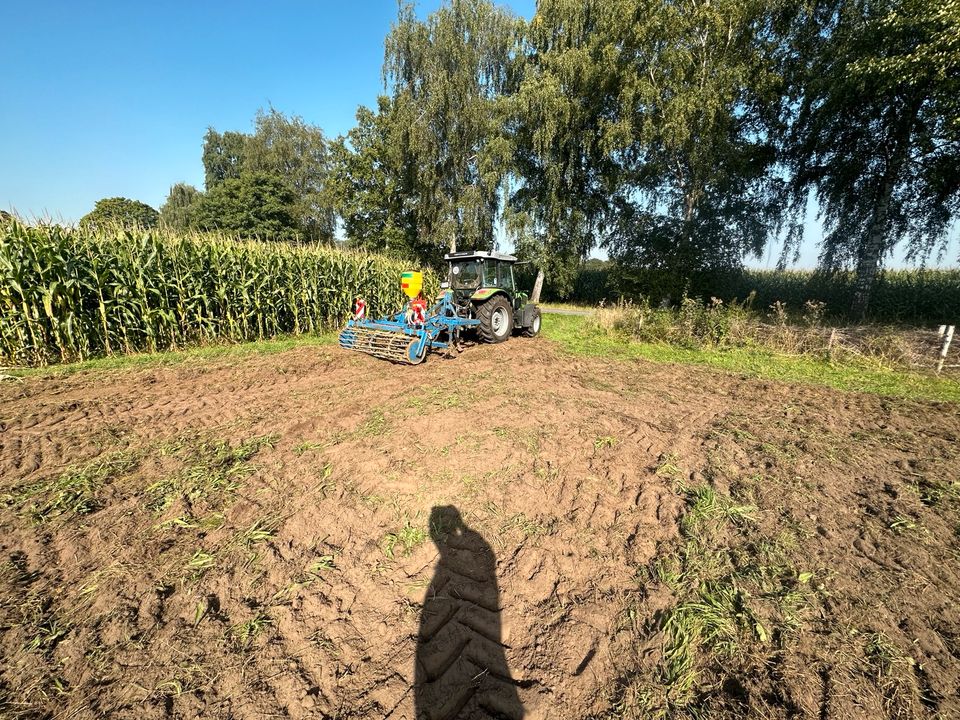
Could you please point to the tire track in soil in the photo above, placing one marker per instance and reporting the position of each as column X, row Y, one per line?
column 567, row 525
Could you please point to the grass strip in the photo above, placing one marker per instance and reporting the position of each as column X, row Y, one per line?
column 577, row 336
column 177, row 357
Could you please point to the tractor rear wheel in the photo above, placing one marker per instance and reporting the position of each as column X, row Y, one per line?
column 533, row 329
column 496, row 319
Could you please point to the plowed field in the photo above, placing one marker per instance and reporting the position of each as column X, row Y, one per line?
column 513, row 532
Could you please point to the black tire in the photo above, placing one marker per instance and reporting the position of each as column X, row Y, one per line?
column 533, row 329
column 496, row 319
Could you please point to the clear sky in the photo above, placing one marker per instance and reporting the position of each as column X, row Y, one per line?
column 102, row 99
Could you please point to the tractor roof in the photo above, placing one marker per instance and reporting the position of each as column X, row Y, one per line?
column 479, row 254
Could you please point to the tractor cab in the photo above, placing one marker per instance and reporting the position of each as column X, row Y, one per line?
column 484, row 288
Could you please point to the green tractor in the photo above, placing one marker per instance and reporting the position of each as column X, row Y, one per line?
column 484, row 289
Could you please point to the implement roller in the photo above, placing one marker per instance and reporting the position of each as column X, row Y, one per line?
column 409, row 335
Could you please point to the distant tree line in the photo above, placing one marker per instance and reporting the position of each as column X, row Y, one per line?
column 683, row 137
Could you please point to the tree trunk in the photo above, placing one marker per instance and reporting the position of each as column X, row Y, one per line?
column 537, row 287
column 871, row 254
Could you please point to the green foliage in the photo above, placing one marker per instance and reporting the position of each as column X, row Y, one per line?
column 72, row 294
column 565, row 175
column 372, row 189
column 175, row 213
column 579, row 336
column 909, row 296
column 75, row 491
column 876, row 134
column 120, row 212
column 223, row 156
column 697, row 90
column 405, row 539
column 448, row 74
column 650, row 126
column 298, row 154
column 255, row 205
column 294, row 155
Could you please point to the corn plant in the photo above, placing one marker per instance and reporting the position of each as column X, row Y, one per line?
column 69, row 294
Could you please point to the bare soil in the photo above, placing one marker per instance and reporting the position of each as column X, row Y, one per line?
column 507, row 533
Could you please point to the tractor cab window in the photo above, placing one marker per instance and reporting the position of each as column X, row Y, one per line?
column 490, row 274
column 506, row 277
column 465, row 275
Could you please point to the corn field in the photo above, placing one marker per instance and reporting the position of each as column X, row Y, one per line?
column 69, row 294
column 930, row 297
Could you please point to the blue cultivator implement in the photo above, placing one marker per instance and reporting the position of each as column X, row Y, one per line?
column 407, row 336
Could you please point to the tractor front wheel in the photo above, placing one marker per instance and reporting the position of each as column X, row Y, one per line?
column 496, row 319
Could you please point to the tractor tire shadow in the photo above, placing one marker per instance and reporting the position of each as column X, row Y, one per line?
column 461, row 667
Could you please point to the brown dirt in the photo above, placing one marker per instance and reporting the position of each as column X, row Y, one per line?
column 304, row 577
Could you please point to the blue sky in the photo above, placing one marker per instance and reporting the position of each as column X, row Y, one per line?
column 113, row 98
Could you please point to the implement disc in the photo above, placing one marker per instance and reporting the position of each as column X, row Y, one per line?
column 413, row 356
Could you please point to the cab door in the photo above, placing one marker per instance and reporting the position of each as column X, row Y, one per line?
column 507, row 283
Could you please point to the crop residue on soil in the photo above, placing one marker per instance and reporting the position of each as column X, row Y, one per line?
column 510, row 532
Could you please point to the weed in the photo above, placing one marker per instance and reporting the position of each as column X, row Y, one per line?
column 667, row 468
column 732, row 599
column 324, row 642
column 901, row 524
column 707, row 504
column 213, row 521
column 443, row 398
column 604, row 441
column 894, row 673
column 47, row 634
column 199, row 563
column 320, row 565
column 307, row 446
column 74, row 491
column 375, row 425
column 213, row 469
column 259, row 531
column 530, row 528
column 406, row 538
column 577, row 336
column 934, row 492
column 407, row 610
column 243, row 634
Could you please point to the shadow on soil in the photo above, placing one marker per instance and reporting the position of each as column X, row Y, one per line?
column 461, row 667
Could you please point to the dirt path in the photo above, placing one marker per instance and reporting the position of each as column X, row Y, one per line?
column 320, row 534
column 565, row 311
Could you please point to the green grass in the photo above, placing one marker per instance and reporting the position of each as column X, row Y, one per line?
column 178, row 357
column 577, row 336
column 737, row 600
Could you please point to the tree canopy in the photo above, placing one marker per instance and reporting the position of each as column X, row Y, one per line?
column 287, row 149
column 876, row 135
column 681, row 137
column 448, row 74
column 122, row 212
column 176, row 211
column 253, row 204
column 372, row 188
